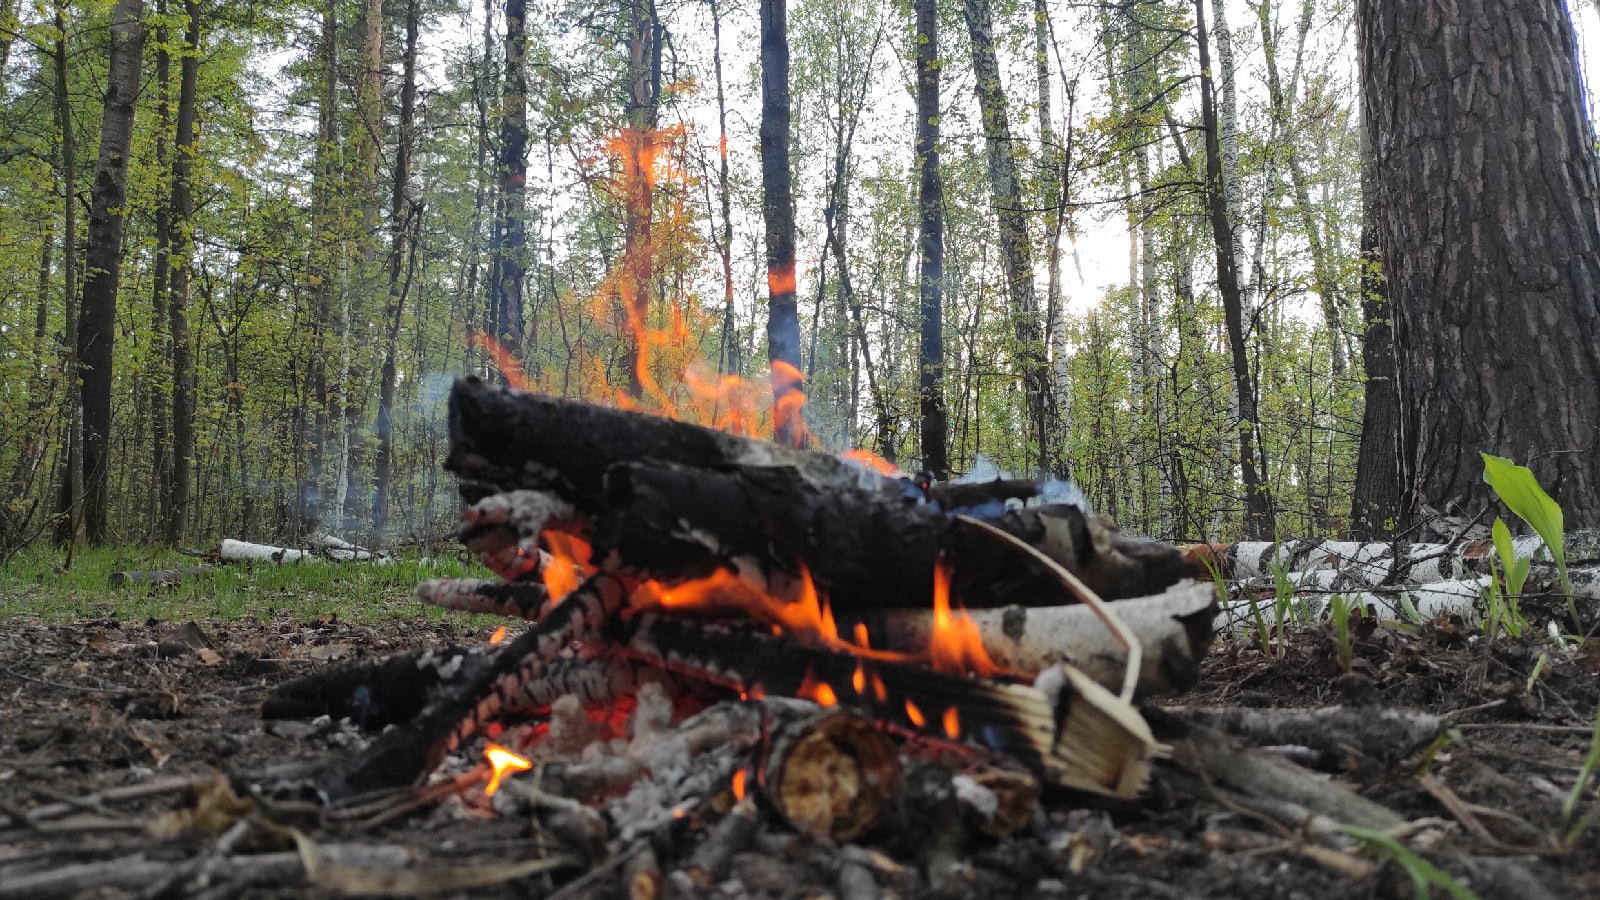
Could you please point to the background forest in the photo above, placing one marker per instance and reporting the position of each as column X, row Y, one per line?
column 325, row 201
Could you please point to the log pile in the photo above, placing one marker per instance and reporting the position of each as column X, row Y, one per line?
column 691, row 545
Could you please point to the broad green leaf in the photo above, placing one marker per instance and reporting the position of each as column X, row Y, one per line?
column 1520, row 491
column 1516, row 569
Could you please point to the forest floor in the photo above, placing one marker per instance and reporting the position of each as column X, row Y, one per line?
column 95, row 705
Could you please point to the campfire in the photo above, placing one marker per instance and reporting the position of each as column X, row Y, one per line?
column 823, row 624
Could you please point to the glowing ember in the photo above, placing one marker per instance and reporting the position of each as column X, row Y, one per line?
column 739, row 779
column 502, row 761
column 956, row 644
column 859, row 679
column 498, row 636
column 915, row 715
column 952, row 723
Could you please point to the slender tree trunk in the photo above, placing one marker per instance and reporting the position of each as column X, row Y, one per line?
column 727, row 345
column 1488, row 209
column 325, row 283
column 783, row 315
column 930, row 247
column 1257, row 500
column 1016, row 251
column 509, row 324
column 183, row 377
column 1322, row 277
column 103, row 260
column 639, row 140
column 401, row 210
column 70, row 493
column 9, row 27
column 160, row 281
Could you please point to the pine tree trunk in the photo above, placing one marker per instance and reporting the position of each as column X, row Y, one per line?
column 103, row 263
column 640, row 145
column 1489, row 231
column 182, row 206
column 727, row 344
column 1375, row 501
column 317, row 422
column 930, row 247
column 1257, row 500
column 401, row 211
column 1016, row 250
column 783, row 315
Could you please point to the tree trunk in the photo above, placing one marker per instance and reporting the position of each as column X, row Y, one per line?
column 1375, row 501
column 402, row 209
column 639, row 148
column 103, row 261
column 317, row 422
column 1016, row 251
column 930, row 246
column 1322, row 276
column 70, row 492
column 1489, row 230
column 1257, row 500
column 511, row 239
column 160, row 280
column 182, row 206
column 783, row 315
column 727, row 345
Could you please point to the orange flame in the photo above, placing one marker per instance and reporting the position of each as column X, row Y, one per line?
column 739, row 783
column 502, row 761
column 873, row 461
column 813, row 688
column 498, row 636
column 569, row 557
column 956, row 645
column 504, row 359
column 952, row 723
column 915, row 715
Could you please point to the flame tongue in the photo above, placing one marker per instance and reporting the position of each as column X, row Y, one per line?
column 501, row 762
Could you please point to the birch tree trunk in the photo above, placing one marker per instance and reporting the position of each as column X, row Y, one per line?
column 103, row 261
column 402, row 209
column 1489, row 230
column 930, row 248
column 1016, row 250
column 1257, row 500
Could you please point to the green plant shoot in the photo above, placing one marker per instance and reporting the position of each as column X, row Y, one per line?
column 1520, row 491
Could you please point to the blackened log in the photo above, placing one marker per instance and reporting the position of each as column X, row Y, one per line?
column 405, row 754
column 503, row 439
column 376, row 692
column 527, row 600
column 864, row 549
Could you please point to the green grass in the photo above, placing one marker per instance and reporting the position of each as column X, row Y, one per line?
column 35, row 585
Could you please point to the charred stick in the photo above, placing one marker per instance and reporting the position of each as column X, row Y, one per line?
column 376, row 692
column 526, row 600
column 713, row 858
column 406, row 753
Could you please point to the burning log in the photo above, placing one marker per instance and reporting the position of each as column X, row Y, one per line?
column 833, row 775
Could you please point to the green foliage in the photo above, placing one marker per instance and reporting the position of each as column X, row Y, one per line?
column 1591, row 765
column 1501, row 596
column 1518, row 489
column 1424, row 875
column 1339, row 612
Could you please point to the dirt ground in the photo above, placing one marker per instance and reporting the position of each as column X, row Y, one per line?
column 98, row 705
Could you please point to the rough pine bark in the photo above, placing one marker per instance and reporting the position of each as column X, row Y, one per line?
column 1375, row 501
column 1257, row 500
column 1016, row 250
column 1489, row 231
column 640, row 144
column 103, row 263
column 783, row 315
column 935, row 429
